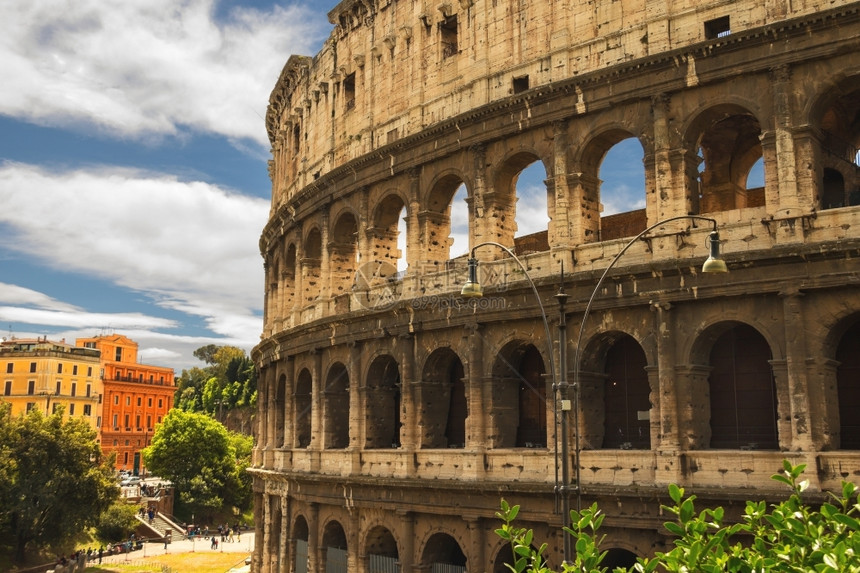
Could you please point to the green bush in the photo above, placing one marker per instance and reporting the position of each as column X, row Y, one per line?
column 117, row 522
column 790, row 537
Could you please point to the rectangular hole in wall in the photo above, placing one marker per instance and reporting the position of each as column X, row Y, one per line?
column 717, row 28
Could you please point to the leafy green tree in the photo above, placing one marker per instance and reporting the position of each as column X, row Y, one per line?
column 202, row 459
column 117, row 522
column 206, row 353
column 791, row 536
column 53, row 480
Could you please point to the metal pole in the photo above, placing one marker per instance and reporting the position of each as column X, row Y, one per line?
column 564, row 402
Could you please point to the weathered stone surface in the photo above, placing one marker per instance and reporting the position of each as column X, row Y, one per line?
column 394, row 414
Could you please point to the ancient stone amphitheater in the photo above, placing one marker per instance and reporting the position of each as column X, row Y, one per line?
column 395, row 414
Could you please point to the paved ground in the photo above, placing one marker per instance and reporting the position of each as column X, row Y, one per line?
column 241, row 547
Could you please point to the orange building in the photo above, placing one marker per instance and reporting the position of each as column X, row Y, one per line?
column 136, row 398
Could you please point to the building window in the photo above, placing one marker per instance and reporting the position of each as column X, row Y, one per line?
column 162, row 379
column 8, row 390
column 98, row 421
column 74, row 370
column 60, row 368
column 59, row 388
column 348, row 91
column 30, row 406
column 149, row 421
column 71, row 409
column 89, row 344
column 717, row 28
column 125, row 458
column 32, row 367
column 521, row 84
column 88, row 410
column 160, row 403
column 54, row 408
column 116, row 442
column 115, row 422
column 128, row 400
column 74, row 388
column 137, row 421
column 116, row 399
column 139, row 401
column 89, row 371
column 149, row 402
column 126, row 420
column 151, row 378
column 118, row 355
column 448, row 36
column 89, row 390
column 140, row 378
column 10, row 367
column 31, row 387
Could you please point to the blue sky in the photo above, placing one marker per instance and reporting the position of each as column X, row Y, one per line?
column 133, row 179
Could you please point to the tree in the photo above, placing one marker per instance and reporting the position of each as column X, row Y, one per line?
column 202, row 459
column 206, row 353
column 791, row 536
column 53, row 480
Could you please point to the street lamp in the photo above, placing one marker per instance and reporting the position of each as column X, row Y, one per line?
column 472, row 288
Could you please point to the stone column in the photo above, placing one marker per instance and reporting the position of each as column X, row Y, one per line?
column 413, row 232
column 475, row 559
column 406, row 352
column 325, row 261
column 798, row 411
column 665, row 398
column 357, row 405
column 356, row 556
column 289, row 393
column 476, row 394
column 315, row 564
column 316, row 401
column 559, row 201
column 406, row 554
column 298, row 296
column 259, row 530
column 286, row 557
column 478, row 231
column 786, row 159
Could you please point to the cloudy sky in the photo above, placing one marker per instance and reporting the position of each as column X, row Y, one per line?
column 133, row 181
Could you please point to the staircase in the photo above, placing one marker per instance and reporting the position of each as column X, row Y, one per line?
column 160, row 526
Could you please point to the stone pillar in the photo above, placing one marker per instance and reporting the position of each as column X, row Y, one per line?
column 665, row 175
column 413, row 234
column 269, row 519
column 694, row 406
column 585, row 208
column 408, row 420
column 797, row 415
column 289, row 393
column 476, row 423
column 315, row 564
column 316, row 401
column 298, row 296
column 786, row 160
column 559, row 200
column 475, row 557
column 259, row 530
column 357, row 405
column 407, row 551
column 286, row 557
column 267, row 316
column 478, row 232
column 262, row 398
column 271, row 411
column 665, row 398
column 325, row 261
column 356, row 556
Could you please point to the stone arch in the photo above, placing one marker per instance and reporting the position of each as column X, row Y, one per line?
column 836, row 113
column 382, row 397
column 289, row 278
column 384, row 231
column 728, row 138
column 519, row 392
column 442, row 401
column 435, row 220
column 343, row 253
column 442, row 549
column 380, row 546
column 618, row 557
column 301, row 536
column 503, row 208
column 615, row 392
column 336, row 407
column 741, row 387
column 302, row 405
column 273, row 274
column 847, row 357
column 335, row 547
column 311, row 265
column 596, row 227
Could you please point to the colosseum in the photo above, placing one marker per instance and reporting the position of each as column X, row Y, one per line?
column 602, row 362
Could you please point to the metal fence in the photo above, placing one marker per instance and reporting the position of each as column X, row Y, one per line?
column 382, row 564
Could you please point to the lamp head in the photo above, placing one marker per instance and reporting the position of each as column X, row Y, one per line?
column 472, row 288
column 714, row 264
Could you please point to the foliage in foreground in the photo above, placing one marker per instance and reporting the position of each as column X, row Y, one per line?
column 117, row 522
column 53, row 480
column 204, row 461
column 789, row 537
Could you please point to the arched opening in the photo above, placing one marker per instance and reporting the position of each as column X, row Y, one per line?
column 302, row 405
column 612, row 186
column 444, row 223
column 728, row 138
column 848, row 388
column 627, row 403
column 311, row 262
column 289, row 274
column 300, row 535
column 840, row 142
column 519, row 207
column 742, row 391
column 504, row 559
column 388, row 234
column 616, row 557
column 383, row 404
column 519, row 394
column 443, row 401
column 381, row 549
column 832, row 189
column 443, row 554
column 273, row 275
column 343, row 254
column 336, row 407
column 334, row 542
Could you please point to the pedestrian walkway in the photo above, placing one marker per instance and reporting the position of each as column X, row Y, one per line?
column 243, row 546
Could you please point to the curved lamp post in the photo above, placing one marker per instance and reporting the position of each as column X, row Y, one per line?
column 472, row 288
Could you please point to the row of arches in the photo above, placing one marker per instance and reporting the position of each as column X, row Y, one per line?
column 740, row 392
column 421, row 221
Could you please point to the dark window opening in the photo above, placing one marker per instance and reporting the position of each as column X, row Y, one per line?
column 448, row 36
column 521, row 84
column 349, row 91
column 717, row 28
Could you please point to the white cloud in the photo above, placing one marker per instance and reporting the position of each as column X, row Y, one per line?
column 14, row 294
column 189, row 245
column 142, row 69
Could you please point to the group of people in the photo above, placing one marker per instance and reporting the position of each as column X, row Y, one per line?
column 226, row 534
column 71, row 563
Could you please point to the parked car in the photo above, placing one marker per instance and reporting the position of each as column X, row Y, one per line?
column 130, row 481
